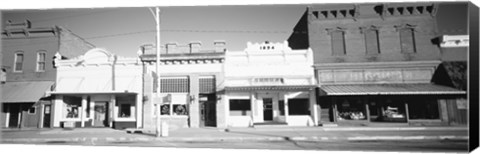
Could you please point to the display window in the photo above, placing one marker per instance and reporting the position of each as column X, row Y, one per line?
column 351, row 109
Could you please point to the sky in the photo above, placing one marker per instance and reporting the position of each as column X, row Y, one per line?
column 123, row 30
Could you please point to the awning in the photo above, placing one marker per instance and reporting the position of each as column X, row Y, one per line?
column 279, row 88
column 19, row 92
column 388, row 89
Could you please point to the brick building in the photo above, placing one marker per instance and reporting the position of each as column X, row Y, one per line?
column 374, row 63
column 28, row 71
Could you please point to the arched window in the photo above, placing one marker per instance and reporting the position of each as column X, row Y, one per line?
column 41, row 55
column 18, row 64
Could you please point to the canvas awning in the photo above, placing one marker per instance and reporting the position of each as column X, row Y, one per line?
column 279, row 88
column 388, row 89
column 20, row 92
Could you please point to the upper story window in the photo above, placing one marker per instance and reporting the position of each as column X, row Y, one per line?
column 18, row 66
column 407, row 38
column 41, row 61
column 372, row 43
column 338, row 42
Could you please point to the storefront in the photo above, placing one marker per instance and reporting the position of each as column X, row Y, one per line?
column 98, row 89
column 189, row 80
column 26, row 104
column 268, row 84
column 384, row 93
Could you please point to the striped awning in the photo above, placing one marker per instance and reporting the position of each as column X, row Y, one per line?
column 22, row 92
column 278, row 88
column 388, row 89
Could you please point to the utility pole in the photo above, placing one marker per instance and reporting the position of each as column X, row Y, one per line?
column 158, row 129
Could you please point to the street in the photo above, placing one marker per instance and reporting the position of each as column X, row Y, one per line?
column 377, row 146
column 406, row 139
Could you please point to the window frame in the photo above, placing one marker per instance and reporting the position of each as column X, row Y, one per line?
column 15, row 62
column 44, row 60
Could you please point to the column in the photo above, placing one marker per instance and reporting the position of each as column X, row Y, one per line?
column 83, row 112
column 42, row 114
column 313, row 107
column 406, row 112
column 285, row 99
column 57, row 110
column 138, row 107
column 194, row 108
column 221, row 111
column 112, row 113
column 92, row 111
column 253, row 108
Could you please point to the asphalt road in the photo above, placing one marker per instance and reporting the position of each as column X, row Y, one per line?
column 374, row 146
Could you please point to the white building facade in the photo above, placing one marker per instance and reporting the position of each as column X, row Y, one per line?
column 268, row 83
column 98, row 89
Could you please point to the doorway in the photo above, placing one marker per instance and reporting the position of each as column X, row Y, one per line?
column 46, row 115
column 267, row 109
column 208, row 110
column 15, row 116
column 100, row 114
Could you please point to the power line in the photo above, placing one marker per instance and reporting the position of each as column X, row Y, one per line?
column 69, row 16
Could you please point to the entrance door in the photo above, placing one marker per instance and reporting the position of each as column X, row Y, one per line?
column 267, row 109
column 207, row 110
column 101, row 111
column 15, row 116
column 46, row 116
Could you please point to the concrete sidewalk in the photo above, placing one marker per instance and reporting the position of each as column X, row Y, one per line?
column 239, row 134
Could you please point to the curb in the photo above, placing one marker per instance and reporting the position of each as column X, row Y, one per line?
column 233, row 139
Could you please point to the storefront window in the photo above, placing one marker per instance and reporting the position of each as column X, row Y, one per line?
column 392, row 111
column 351, row 109
column 174, row 109
column 165, row 109
column 180, row 109
column 72, row 106
column 240, row 107
column 423, row 109
column 72, row 111
column 124, row 111
column 298, row 106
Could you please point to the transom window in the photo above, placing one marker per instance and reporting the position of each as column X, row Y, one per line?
column 175, row 85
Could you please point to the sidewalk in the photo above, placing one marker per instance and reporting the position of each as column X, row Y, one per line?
column 240, row 134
